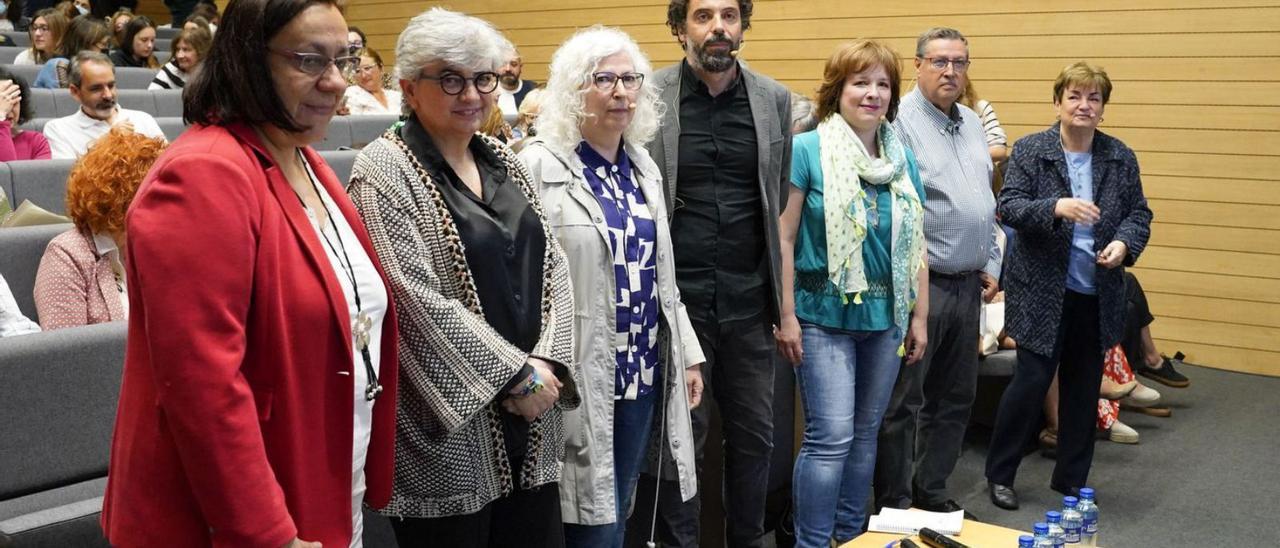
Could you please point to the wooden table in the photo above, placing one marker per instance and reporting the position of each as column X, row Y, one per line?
column 974, row 534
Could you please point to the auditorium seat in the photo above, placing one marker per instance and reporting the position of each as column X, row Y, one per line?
column 341, row 161
column 27, row 72
column 22, row 247
column 171, row 126
column 60, row 390
column 36, row 124
column 9, row 53
column 168, row 102
column 43, row 101
column 167, row 33
column 163, row 44
column 134, row 77
column 136, row 99
column 367, row 128
column 338, row 135
column 18, row 37
column 44, row 182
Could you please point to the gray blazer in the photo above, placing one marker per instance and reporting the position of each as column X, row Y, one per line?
column 587, row 494
column 771, row 112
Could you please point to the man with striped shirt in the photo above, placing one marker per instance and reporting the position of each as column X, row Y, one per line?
column 923, row 427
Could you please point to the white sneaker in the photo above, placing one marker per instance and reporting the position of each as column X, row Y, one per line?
column 1122, row 433
column 1142, row 396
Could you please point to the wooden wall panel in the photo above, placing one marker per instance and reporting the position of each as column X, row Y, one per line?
column 1197, row 96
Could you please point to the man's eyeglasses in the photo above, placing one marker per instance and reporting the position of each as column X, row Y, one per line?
column 316, row 64
column 454, row 84
column 940, row 63
column 608, row 81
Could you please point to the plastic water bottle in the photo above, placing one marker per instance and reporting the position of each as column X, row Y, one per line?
column 1042, row 539
column 1071, row 520
column 1026, row 541
column 1089, row 518
column 1056, row 533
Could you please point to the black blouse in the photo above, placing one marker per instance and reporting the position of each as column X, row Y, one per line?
column 504, row 245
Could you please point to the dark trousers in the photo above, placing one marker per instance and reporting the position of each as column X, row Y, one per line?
column 1137, row 316
column 739, row 377
column 1079, row 378
column 523, row 518
column 922, row 433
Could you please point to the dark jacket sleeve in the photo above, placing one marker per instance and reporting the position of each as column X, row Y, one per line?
column 1135, row 229
column 1021, row 204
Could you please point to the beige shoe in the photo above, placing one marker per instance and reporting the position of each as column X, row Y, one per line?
column 1113, row 390
column 1122, row 433
column 1142, row 396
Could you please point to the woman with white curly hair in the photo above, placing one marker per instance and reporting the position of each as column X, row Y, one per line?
column 636, row 352
column 483, row 293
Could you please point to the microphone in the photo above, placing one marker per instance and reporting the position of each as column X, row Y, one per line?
column 631, row 106
column 734, row 52
column 938, row 540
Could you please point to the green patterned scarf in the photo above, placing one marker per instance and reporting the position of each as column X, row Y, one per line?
column 845, row 164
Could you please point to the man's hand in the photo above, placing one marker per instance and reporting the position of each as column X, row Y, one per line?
column 1113, row 254
column 693, row 384
column 989, row 287
column 917, row 338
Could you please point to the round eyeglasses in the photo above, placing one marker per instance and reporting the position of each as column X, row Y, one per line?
column 454, row 84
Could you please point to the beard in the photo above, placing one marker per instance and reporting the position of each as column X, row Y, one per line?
column 509, row 79
column 714, row 61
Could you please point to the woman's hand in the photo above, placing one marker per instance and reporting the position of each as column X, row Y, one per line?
column 299, row 543
column 10, row 94
column 1113, row 254
column 1075, row 209
column 693, row 385
column 534, row 405
column 788, row 337
column 917, row 338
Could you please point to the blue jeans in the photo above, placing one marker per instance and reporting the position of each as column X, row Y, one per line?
column 845, row 382
column 632, row 420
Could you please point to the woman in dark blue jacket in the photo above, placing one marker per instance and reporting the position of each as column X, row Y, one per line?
column 1074, row 196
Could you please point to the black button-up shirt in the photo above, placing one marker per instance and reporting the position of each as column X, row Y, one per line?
column 504, row 246
column 718, row 224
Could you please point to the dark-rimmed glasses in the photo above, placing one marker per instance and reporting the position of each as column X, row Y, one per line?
column 315, row 64
column 454, row 84
column 608, row 81
column 940, row 63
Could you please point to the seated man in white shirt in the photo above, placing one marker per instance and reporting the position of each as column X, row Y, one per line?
column 92, row 80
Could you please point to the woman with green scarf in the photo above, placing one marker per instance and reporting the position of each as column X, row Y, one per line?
column 854, row 253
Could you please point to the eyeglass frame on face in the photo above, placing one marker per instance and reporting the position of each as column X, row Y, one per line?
column 474, row 80
column 940, row 63
column 39, row 28
column 365, row 69
column 608, row 81
column 299, row 59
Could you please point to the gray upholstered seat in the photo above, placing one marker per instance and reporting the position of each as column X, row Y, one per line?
column 18, row 37
column 134, row 77
column 367, row 128
column 338, row 136
column 27, row 72
column 44, row 102
column 167, row 33
column 168, row 102
column 36, row 124
column 171, row 126
column 22, row 248
column 9, row 53
column 164, row 44
column 341, row 161
column 60, row 390
column 1000, row 364
column 136, row 99
column 44, row 182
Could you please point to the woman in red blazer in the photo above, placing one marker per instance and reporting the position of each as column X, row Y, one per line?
column 258, row 401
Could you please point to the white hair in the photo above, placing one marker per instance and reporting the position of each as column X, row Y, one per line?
column 456, row 39
column 559, row 124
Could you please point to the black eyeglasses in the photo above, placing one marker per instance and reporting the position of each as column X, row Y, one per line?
column 315, row 64
column 454, row 84
column 608, row 81
column 940, row 63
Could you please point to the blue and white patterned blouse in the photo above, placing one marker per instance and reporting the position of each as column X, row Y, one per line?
column 632, row 235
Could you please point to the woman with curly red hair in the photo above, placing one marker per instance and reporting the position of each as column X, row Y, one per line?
column 81, row 276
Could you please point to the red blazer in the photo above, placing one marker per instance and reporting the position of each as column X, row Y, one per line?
column 235, row 418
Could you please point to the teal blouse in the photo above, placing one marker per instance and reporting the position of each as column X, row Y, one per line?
column 817, row 299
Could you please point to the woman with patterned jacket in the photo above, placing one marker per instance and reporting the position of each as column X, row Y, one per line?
column 484, row 299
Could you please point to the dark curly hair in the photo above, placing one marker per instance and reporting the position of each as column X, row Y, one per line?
column 27, row 110
column 678, row 13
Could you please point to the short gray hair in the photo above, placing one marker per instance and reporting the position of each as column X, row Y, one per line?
column 75, row 74
column 456, row 39
column 938, row 33
column 560, row 121
column 803, row 114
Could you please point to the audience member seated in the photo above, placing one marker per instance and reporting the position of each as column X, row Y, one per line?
column 83, row 34
column 369, row 96
column 117, row 22
column 81, row 277
column 209, row 11
column 1139, row 347
column 46, row 31
column 93, row 85
column 356, row 40
column 74, row 8
column 16, row 108
column 12, row 322
column 528, row 114
column 189, row 49
column 197, row 22
column 12, row 19
column 997, row 140
column 138, row 45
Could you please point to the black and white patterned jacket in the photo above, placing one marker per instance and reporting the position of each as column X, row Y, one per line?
column 450, row 458
column 1035, row 274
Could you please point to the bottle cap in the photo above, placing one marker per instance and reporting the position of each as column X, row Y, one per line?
column 1053, row 516
column 1086, row 493
column 1026, row 540
column 1070, row 502
column 1041, row 528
